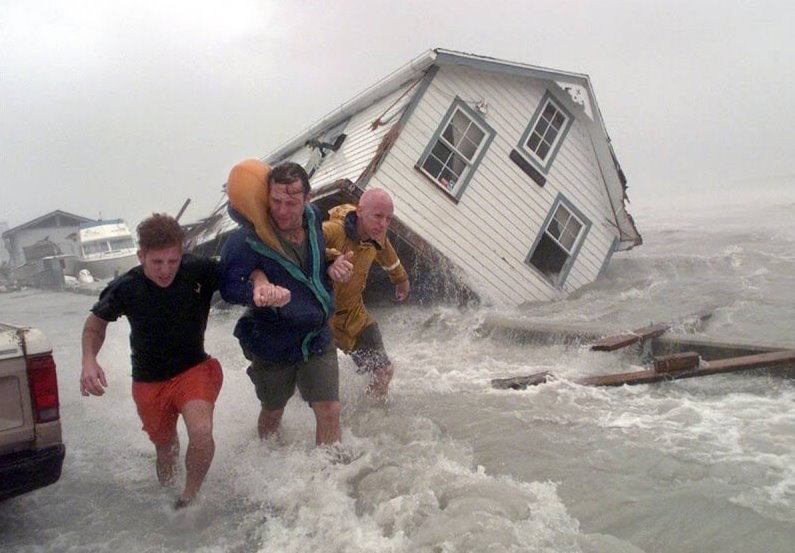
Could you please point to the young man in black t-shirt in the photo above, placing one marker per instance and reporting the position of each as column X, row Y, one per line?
column 166, row 300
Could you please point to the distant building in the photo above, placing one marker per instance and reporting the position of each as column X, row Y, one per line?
column 58, row 227
column 3, row 251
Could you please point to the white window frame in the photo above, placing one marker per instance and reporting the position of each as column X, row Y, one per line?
column 440, row 140
column 539, row 132
column 552, row 239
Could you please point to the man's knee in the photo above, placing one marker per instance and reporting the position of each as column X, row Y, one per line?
column 198, row 417
column 201, row 431
column 327, row 410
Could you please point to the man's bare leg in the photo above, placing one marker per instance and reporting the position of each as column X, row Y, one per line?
column 166, row 462
column 379, row 382
column 198, row 417
column 327, row 416
column 268, row 422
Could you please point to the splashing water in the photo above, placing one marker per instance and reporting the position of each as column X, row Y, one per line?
column 449, row 464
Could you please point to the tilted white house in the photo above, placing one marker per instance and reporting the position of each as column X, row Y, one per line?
column 502, row 173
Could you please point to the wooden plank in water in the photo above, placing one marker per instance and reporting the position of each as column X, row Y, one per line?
column 746, row 362
column 521, row 382
column 677, row 362
column 611, row 343
column 718, row 366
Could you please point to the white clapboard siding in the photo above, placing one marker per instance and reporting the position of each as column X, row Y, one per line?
column 436, row 216
column 361, row 142
column 490, row 231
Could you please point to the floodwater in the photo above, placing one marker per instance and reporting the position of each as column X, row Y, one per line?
column 450, row 464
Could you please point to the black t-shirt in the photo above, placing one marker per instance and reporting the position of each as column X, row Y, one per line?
column 166, row 324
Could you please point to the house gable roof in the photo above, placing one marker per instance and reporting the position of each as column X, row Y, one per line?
column 415, row 69
column 58, row 218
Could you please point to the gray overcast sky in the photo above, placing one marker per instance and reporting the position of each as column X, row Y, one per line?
column 121, row 108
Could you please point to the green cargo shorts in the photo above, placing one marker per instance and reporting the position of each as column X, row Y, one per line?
column 316, row 379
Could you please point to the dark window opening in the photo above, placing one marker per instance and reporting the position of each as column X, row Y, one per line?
column 549, row 257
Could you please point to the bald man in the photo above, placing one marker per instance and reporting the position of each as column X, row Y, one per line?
column 362, row 230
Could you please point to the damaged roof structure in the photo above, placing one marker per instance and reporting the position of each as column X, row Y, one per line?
column 505, row 184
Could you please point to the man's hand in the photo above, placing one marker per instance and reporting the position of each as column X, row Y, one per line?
column 270, row 295
column 92, row 379
column 266, row 294
column 402, row 290
column 342, row 268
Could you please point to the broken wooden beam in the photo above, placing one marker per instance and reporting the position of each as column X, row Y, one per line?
column 709, row 348
column 677, row 362
column 704, row 368
column 611, row 343
column 521, row 382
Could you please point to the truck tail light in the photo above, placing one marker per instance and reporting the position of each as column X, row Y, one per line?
column 43, row 388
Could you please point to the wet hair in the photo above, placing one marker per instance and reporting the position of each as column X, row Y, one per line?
column 287, row 173
column 158, row 232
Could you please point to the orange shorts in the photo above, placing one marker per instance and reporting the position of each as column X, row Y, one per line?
column 160, row 403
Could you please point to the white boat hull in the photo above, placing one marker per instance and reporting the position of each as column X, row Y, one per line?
column 107, row 248
column 109, row 266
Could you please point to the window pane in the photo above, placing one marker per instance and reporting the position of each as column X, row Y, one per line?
column 433, row 166
column 570, row 232
column 551, row 134
column 467, row 148
column 532, row 143
column 575, row 225
column 549, row 258
column 457, row 166
column 541, row 126
column 448, row 179
column 98, row 246
column 567, row 238
column 549, row 111
column 558, row 120
column 456, row 129
column 561, row 216
column 463, row 135
column 121, row 243
column 445, row 165
column 441, row 151
column 460, row 120
column 543, row 150
column 554, row 228
column 451, row 134
column 475, row 134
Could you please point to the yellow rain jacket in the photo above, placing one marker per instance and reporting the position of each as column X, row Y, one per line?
column 351, row 316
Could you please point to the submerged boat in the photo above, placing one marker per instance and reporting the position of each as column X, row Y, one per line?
column 45, row 266
column 106, row 248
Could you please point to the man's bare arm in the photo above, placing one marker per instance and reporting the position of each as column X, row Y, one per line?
column 92, row 377
column 93, row 336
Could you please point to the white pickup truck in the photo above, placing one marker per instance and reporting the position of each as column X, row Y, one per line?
column 31, row 450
